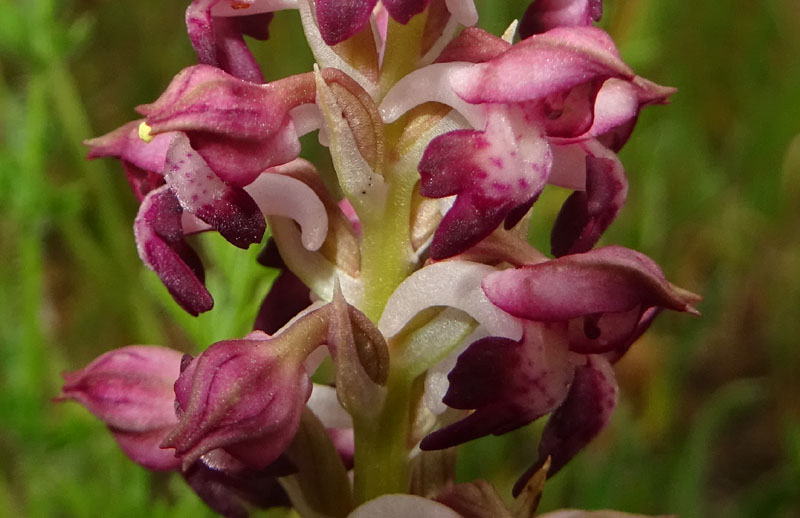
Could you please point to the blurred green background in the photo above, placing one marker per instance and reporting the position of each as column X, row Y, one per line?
column 709, row 421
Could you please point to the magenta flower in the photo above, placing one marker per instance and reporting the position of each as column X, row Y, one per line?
column 244, row 396
column 523, row 123
column 601, row 295
column 508, row 383
column 238, row 128
column 594, row 304
column 143, row 162
column 130, row 390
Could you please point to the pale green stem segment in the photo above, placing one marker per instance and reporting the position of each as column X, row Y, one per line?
column 382, row 441
column 402, row 51
column 382, row 446
column 386, row 253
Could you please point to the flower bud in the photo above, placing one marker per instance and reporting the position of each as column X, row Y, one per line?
column 245, row 396
column 130, row 390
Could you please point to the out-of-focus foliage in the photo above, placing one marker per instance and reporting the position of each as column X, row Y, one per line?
column 710, row 419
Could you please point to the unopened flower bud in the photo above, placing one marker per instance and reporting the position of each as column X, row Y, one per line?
column 130, row 390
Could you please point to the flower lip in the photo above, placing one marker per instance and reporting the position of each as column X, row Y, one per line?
column 605, row 280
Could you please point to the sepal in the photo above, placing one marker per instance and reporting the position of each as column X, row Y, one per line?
column 130, row 390
column 159, row 239
column 508, row 384
column 584, row 414
column 543, row 15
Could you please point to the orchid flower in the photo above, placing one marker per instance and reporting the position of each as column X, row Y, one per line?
column 406, row 273
column 523, row 123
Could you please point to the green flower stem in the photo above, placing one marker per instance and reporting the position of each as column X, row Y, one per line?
column 386, row 254
column 382, row 446
column 402, row 51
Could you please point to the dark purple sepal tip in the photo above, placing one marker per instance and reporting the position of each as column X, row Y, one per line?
column 508, row 383
column 586, row 215
column 159, row 239
column 583, row 415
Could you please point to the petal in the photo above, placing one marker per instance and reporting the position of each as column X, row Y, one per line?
column 584, row 414
column 448, row 283
column 338, row 19
column 144, row 449
column 218, row 41
column 287, row 296
column 493, row 172
column 228, row 209
column 430, row 83
column 605, row 280
column 141, row 181
column 585, row 215
column 543, row 15
column 402, row 506
column 238, row 127
column 473, row 45
column 242, row 395
column 325, row 405
column 563, row 59
column 124, row 143
column 227, row 492
column 509, row 384
column 282, row 195
column 404, row 10
column 129, row 389
column 159, row 240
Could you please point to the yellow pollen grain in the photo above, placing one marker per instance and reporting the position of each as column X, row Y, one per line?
column 144, row 132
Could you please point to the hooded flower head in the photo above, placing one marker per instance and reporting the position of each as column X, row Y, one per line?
column 244, row 396
column 130, row 390
column 521, row 120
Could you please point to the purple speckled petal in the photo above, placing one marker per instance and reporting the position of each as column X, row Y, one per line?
column 611, row 279
column 159, row 240
column 543, row 15
column 473, row 45
column 340, row 19
column 492, row 172
column 585, row 215
column 509, row 384
column 228, row 209
column 584, row 414
column 563, row 58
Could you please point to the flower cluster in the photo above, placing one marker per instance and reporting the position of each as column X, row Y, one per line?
column 414, row 275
